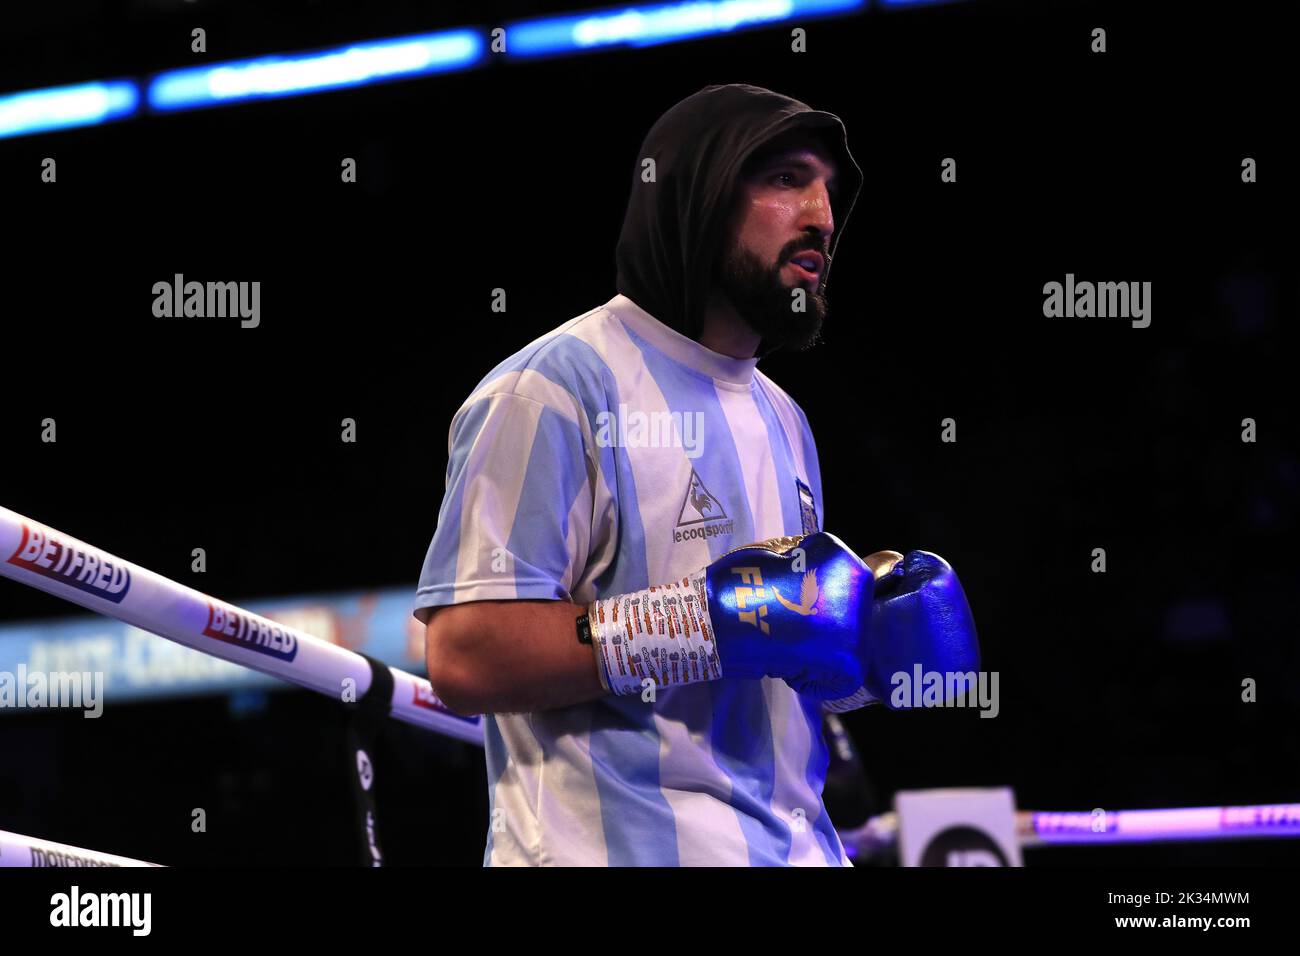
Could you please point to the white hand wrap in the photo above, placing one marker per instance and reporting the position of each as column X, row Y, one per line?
column 662, row 633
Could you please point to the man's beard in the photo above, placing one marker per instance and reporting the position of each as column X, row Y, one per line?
column 767, row 304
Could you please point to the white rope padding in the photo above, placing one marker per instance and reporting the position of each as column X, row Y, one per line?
column 19, row 850
column 58, row 564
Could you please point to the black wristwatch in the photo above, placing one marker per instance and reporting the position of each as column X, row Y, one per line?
column 584, row 630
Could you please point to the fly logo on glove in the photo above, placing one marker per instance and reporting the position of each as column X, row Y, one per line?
column 749, row 591
column 752, row 593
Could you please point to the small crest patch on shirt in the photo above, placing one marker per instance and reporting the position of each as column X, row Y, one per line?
column 807, row 507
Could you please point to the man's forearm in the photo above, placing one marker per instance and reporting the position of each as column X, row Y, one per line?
column 510, row 657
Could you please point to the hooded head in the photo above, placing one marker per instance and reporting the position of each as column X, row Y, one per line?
column 675, row 235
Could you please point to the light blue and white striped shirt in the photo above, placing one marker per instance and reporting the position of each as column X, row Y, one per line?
column 610, row 455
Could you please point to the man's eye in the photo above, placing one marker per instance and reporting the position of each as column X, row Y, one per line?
column 789, row 176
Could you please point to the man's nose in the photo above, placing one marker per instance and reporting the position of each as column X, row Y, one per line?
column 816, row 211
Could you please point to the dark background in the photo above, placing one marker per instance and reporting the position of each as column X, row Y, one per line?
column 1119, row 690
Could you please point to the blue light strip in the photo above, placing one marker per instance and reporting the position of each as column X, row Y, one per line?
column 63, row 107
column 658, row 23
column 357, row 64
column 379, row 61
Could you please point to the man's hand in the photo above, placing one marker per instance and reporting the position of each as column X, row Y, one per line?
column 764, row 610
column 794, row 611
column 919, row 616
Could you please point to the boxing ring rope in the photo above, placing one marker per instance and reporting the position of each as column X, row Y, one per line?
column 1163, row 826
column 1035, row 828
column 40, row 557
column 19, row 850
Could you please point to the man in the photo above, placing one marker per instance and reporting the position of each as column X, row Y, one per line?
column 614, row 467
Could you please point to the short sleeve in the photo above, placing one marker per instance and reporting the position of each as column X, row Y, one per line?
column 515, row 519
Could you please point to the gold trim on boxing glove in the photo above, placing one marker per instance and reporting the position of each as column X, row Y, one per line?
column 882, row 563
column 775, row 545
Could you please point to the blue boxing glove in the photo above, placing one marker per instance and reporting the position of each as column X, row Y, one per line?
column 919, row 618
column 765, row 610
column 796, row 613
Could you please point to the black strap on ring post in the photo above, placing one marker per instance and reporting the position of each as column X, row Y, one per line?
column 366, row 717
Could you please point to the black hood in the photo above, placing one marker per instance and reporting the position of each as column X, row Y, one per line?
column 673, row 229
